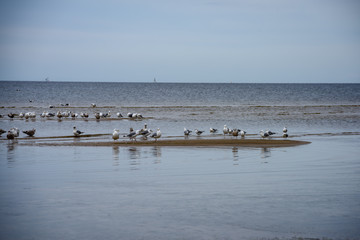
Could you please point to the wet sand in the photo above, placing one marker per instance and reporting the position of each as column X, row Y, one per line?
column 166, row 142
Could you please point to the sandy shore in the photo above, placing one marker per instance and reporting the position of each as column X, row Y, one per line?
column 174, row 142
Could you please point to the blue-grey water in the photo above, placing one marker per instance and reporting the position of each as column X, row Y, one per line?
column 63, row 192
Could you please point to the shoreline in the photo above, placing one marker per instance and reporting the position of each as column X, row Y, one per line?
column 180, row 142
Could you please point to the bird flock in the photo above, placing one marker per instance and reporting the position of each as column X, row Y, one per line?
column 235, row 132
column 144, row 132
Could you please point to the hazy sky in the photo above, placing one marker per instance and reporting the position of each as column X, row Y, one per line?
column 180, row 41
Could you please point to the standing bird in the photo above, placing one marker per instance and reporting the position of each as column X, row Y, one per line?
column 76, row 132
column 242, row 133
column 116, row 134
column 213, row 130
column 119, row 114
column 226, row 130
column 285, row 135
column 198, row 132
column 133, row 134
column 187, row 132
column 156, row 134
column 30, row 133
column 264, row 134
column 284, row 130
column 235, row 132
column 15, row 131
column 145, row 132
column 10, row 135
column 97, row 115
column 270, row 132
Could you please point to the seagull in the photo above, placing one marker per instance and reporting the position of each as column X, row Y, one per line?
column 225, row 130
column 97, row 115
column 10, row 135
column 84, row 115
column 264, row 134
column 156, row 134
column 50, row 114
column 235, row 132
column 115, row 134
column 74, row 115
column 145, row 132
column 270, row 132
column 30, row 132
column 15, row 131
column 132, row 135
column 11, row 115
column 119, row 115
column 198, row 132
column 105, row 115
column 66, row 114
column 285, row 130
column 187, row 132
column 213, row 130
column 58, row 114
column 242, row 133
column 76, row 132
column 21, row 115
column 93, row 105
column 285, row 135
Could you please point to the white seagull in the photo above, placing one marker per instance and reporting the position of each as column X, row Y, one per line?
column 187, row 132
column 225, row 130
column 264, row 134
column 145, row 132
column 285, row 130
column 15, row 131
column 133, row 134
column 116, row 134
column 270, row 132
column 213, row 130
column 198, row 132
column 242, row 133
column 76, row 132
column 156, row 134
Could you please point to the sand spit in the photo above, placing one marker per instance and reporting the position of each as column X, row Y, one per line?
column 175, row 142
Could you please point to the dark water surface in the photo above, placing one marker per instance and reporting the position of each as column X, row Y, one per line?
column 309, row 191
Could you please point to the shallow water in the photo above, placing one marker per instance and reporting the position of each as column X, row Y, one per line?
column 157, row 192
column 181, row 193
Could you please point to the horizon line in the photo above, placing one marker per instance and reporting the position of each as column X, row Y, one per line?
column 157, row 82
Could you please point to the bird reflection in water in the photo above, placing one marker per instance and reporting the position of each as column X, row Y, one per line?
column 265, row 153
column 156, row 151
column 10, row 152
column 235, row 152
column 134, row 155
column 116, row 151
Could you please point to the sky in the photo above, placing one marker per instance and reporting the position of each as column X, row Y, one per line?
column 244, row 41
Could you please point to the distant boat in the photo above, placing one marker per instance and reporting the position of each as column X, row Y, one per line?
column 154, row 80
column 47, row 79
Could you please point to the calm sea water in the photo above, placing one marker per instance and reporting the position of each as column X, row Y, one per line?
column 308, row 191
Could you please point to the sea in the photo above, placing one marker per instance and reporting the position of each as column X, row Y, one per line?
column 130, row 192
